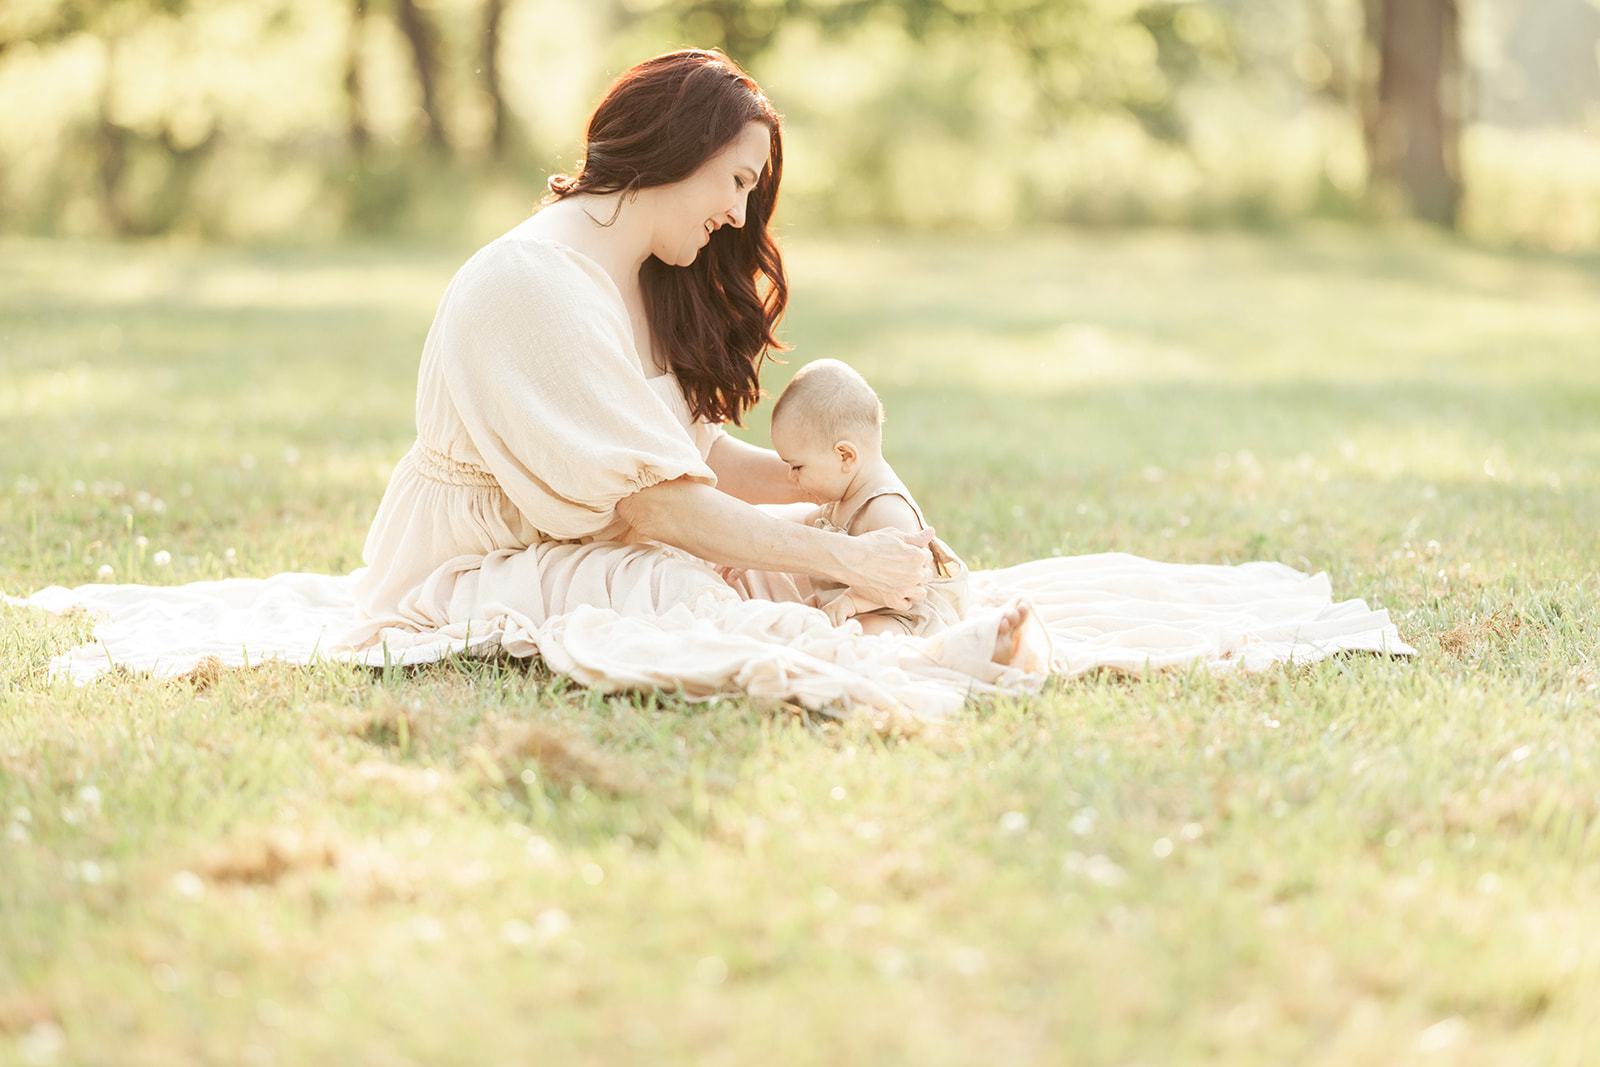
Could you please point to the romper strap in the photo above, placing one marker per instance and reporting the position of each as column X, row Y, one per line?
column 946, row 563
column 844, row 524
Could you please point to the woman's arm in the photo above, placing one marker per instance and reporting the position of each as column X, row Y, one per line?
column 888, row 565
column 752, row 474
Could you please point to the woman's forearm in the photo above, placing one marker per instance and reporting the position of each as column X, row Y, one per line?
column 752, row 474
column 717, row 528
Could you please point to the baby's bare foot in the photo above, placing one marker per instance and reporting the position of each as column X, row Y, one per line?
column 1022, row 641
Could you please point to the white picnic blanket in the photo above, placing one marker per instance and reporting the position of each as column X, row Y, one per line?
column 1111, row 611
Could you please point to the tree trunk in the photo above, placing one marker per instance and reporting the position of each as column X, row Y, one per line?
column 1413, row 129
column 424, row 56
column 111, row 151
column 173, row 202
column 499, row 125
column 355, row 111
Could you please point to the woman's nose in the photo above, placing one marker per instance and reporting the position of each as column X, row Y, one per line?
column 736, row 215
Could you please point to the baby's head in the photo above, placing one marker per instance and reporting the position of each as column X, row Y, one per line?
column 828, row 426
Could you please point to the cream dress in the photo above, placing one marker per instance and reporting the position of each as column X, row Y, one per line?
column 534, row 418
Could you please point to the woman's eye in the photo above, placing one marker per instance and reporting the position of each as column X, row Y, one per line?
column 738, row 183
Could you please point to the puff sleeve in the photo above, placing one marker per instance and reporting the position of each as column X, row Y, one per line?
column 536, row 356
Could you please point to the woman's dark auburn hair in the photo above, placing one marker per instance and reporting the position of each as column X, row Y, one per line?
column 714, row 319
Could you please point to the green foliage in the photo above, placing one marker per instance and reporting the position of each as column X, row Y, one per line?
column 1363, row 861
column 305, row 120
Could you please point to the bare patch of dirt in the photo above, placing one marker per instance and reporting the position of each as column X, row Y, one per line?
column 296, row 859
column 266, row 855
column 561, row 758
column 392, row 723
column 413, row 781
column 1500, row 627
column 204, row 674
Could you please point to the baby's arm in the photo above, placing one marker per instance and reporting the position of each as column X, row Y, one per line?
column 890, row 511
column 881, row 513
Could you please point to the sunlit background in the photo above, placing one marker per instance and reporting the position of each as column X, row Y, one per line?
column 1311, row 282
column 316, row 119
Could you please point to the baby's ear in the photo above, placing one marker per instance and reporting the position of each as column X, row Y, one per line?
column 847, row 452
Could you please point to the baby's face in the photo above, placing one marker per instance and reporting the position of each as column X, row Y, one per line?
column 822, row 474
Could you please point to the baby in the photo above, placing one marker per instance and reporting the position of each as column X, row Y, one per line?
column 828, row 426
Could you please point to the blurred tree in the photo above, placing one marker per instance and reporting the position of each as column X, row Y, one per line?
column 745, row 29
column 134, row 116
column 355, row 108
column 1061, row 43
column 176, row 160
column 1413, row 122
column 424, row 42
column 489, row 65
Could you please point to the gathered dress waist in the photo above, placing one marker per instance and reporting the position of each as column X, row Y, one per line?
column 436, row 466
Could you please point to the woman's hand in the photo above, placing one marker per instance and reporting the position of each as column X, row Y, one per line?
column 892, row 567
column 888, row 565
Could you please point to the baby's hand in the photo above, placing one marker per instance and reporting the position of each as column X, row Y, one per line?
column 730, row 574
column 840, row 608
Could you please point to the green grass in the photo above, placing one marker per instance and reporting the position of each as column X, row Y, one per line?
column 1360, row 862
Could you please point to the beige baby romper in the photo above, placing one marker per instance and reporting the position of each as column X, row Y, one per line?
column 947, row 600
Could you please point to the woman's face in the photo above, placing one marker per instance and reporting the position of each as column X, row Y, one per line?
column 714, row 196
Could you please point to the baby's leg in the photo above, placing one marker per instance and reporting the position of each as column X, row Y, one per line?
column 874, row 622
column 1022, row 640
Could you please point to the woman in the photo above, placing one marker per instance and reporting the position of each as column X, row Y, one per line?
column 573, row 385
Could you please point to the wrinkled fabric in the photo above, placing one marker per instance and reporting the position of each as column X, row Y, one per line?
column 1109, row 611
